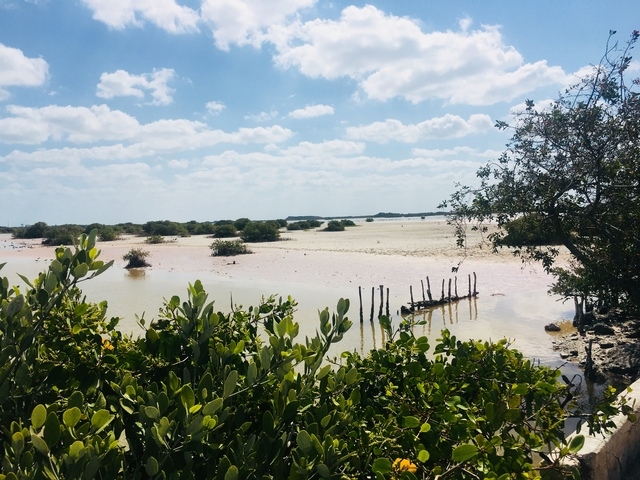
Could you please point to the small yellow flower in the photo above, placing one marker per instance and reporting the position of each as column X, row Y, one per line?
column 106, row 344
column 402, row 464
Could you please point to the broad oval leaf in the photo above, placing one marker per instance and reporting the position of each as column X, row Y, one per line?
column 304, row 441
column 381, row 466
column 101, row 419
column 462, row 453
column 232, row 473
column 38, row 416
column 576, row 444
column 71, row 417
column 230, row 384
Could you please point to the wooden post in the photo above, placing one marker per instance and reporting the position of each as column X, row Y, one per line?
column 411, row 292
column 388, row 313
column 423, row 297
column 442, row 296
column 456, row 287
column 475, row 292
column 381, row 300
column 469, row 285
column 429, row 290
column 449, row 291
column 360, row 295
column 373, row 297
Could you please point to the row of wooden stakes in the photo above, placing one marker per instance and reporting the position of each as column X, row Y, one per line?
column 427, row 300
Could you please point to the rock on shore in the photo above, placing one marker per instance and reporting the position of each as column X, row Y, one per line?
column 615, row 347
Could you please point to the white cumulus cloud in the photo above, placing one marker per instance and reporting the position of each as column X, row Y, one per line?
column 18, row 70
column 446, row 127
column 214, row 108
column 165, row 14
column 123, row 84
column 311, row 111
column 391, row 56
column 245, row 22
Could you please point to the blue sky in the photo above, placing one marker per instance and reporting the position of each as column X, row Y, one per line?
column 137, row 110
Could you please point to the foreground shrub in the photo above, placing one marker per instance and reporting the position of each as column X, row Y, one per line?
column 211, row 395
column 136, row 258
column 227, row 248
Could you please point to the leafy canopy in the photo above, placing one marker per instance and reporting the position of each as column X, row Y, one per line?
column 570, row 174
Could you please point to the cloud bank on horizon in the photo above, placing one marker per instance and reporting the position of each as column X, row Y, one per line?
column 136, row 110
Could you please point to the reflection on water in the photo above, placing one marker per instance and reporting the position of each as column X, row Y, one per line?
column 136, row 272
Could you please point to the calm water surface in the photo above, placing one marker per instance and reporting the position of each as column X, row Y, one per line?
column 519, row 316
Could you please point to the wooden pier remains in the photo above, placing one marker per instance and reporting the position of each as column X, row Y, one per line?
column 424, row 304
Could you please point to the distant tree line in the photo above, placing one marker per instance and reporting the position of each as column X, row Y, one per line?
column 258, row 231
column 156, row 231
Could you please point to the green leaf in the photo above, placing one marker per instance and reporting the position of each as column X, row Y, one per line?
column 187, row 397
column 576, row 444
column 71, row 417
column 232, row 473
column 151, row 412
column 38, row 416
column 81, row 270
column 230, row 384
column 324, row 371
column 152, row 467
column 76, row 400
column 304, row 441
column 323, row 470
column 265, row 358
column 39, row 444
column 15, row 306
column 411, row 422
column 252, row 373
column 381, row 466
column 101, row 419
column 352, row 376
column 423, row 455
column 425, row 427
column 520, row 389
column 17, row 443
column 463, row 453
column 52, row 429
column 76, row 449
column 212, row 407
column 92, row 468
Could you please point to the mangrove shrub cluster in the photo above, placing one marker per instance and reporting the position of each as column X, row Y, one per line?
column 203, row 394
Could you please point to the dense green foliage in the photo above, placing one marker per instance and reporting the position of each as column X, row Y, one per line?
column 240, row 223
column 260, row 232
column 304, row 225
column 106, row 233
column 228, row 248
column 334, row 226
column 529, row 230
column 225, row 230
column 165, row 228
column 573, row 169
column 338, row 225
column 61, row 235
column 208, row 395
column 136, row 258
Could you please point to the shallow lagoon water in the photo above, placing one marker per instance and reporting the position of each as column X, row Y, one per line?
column 519, row 316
